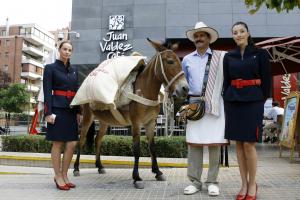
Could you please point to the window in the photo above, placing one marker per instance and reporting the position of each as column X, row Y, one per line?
column 22, row 31
column 7, row 43
column 36, row 32
column 5, row 68
column 6, row 54
column 28, row 30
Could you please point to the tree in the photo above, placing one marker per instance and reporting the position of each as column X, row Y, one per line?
column 13, row 98
column 279, row 5
column 5, row 79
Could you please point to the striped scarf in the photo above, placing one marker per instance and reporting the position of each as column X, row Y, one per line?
column 210, row 87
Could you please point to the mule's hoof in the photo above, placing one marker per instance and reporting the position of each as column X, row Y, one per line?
column 160, row 177
column 76, row 173
column 101, row 171
column 139, row 184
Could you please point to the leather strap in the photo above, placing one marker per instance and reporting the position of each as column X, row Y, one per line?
column 205, row 78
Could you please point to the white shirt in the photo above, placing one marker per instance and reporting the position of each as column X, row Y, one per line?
column 274, row 112
column 193, row 66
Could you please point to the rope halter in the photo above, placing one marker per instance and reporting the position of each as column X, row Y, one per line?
column 166, row 82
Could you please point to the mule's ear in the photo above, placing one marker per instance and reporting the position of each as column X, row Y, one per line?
column 157, row 46
column 174, row 46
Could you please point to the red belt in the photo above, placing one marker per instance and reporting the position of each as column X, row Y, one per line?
column 240, row 83
column 68, row 93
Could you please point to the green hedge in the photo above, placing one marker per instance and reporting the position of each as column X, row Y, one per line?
column 172, row 147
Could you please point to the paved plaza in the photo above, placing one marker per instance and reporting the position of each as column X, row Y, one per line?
column 277, row 179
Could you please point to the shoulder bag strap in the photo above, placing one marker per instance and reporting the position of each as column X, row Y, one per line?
column 205, row 78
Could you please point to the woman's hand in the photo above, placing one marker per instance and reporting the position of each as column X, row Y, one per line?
column 79, row 118
column 50, row 119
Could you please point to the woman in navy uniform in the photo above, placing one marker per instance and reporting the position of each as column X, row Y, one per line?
column 247, row 80
column 60, row 85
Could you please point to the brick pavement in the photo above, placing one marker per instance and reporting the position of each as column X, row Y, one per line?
column 277, row 179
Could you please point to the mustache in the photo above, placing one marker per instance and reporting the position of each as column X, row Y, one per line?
column 197, row 41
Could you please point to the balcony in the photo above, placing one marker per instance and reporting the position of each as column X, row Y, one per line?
column 33, row 88
column 37, row 41
column 31, row 75
column 34, row 51
column 32, row 61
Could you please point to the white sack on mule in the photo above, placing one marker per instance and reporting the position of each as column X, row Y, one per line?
column 102, row 84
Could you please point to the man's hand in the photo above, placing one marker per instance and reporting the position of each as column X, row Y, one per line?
column 183, row 113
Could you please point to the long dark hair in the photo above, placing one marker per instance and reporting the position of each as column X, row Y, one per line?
column 250, row 40
column 64, row 42
column 68, row 65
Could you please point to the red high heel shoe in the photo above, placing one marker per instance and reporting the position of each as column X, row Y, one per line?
column 71, row 185
column 61, row 187
column 240, row 196
column 249, row 197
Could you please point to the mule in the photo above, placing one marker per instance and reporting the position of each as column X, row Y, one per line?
column 163, row 68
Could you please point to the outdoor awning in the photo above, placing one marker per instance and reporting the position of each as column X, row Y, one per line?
column 284, row 54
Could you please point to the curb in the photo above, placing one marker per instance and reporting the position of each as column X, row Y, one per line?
column 38, row 161
column 109, row 163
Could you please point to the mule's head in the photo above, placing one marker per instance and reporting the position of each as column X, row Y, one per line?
column 168, row 70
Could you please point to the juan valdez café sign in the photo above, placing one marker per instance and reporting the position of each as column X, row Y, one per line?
column 114, row 43
column 283, row 85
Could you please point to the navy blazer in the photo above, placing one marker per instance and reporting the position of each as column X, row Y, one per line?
column 254, row 64
column 58, row 77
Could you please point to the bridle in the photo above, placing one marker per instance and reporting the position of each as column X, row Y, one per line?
column 166, row 82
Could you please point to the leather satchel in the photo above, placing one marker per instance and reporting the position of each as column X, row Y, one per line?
column 193, row 111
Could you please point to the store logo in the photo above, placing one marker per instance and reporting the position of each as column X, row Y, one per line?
column 114, row 43
column 285, row 85
column 116, row 22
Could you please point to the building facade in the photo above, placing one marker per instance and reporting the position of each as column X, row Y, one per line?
column 23, row 52
column 109, row 28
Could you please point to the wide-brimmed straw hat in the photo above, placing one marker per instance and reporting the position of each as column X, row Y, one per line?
column 200, row 26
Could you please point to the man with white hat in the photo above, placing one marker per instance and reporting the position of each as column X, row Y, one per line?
column 203, row 69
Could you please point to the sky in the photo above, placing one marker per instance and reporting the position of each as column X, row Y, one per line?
column 48, row 14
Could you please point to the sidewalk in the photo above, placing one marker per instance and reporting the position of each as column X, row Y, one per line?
column 277, row 179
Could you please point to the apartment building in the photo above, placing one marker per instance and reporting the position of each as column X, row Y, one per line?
column 23, row 51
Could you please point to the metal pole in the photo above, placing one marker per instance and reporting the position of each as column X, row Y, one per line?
column 166, row 120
